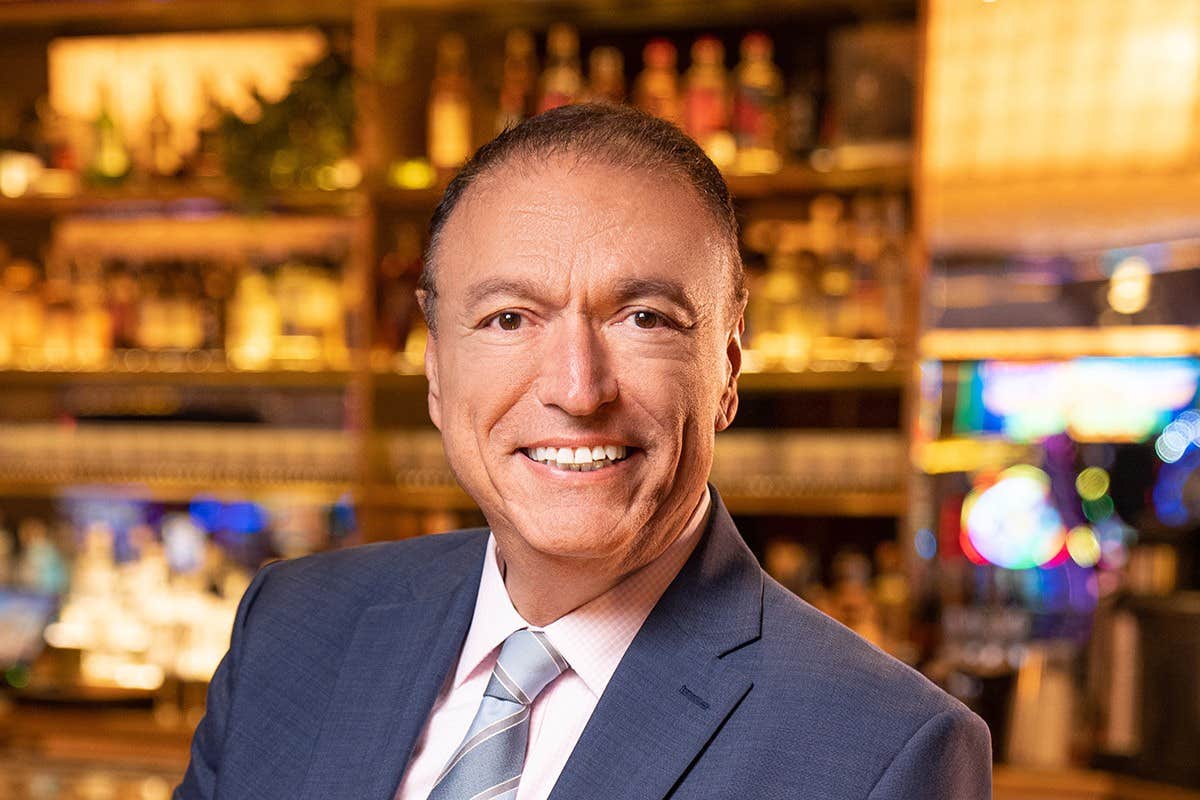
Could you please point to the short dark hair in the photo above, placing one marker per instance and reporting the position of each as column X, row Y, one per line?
column 607, row 133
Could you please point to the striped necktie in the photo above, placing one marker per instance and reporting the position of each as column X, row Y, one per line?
column 488, row 763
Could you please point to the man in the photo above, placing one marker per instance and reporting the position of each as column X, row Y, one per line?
column 611, row 636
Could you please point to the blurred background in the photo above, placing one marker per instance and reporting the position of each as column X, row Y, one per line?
column 969, row 425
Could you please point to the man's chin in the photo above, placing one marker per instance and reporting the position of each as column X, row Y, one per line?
column 550, row 535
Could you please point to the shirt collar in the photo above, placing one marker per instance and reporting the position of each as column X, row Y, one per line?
column 592, row 638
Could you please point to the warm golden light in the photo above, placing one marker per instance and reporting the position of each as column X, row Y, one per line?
column 1129, row 291
column 232, row 63
column 1060, row 125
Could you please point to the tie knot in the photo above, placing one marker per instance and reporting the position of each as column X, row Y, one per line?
column 527, row 663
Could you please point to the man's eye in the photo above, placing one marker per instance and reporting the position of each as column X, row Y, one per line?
column 648, row 320
column 508, row 320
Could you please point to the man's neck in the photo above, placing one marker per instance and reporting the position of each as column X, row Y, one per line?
column 544, row 587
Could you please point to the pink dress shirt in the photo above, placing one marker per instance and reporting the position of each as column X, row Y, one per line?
column 593, row 638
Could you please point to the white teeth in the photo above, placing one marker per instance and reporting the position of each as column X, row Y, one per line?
column 578, row 459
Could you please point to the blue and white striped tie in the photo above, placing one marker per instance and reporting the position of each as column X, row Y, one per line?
column 488, row 763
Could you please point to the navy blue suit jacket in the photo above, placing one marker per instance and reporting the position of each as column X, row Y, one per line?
column 733, row 688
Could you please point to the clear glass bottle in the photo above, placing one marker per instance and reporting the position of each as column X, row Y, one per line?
column 254, row 322
column 562, row 82
column 606, row 76
column 450, row 105
column 518, row 79
column 162, row 159
column 205, row 160
column 110, row 162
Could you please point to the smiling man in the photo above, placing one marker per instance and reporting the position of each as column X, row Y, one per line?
column 609, row 635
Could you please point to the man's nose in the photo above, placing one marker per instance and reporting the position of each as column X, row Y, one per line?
column 576, row 374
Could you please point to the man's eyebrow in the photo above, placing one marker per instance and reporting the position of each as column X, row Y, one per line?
column 518, row 287
column 632, row 288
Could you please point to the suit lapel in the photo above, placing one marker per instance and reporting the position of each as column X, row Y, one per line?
column 672, row 692
column 397, row 660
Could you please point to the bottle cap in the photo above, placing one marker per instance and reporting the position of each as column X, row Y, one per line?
column 659, row 54
column 708, row 50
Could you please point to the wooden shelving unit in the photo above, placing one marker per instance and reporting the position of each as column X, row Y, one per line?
column 370, row 206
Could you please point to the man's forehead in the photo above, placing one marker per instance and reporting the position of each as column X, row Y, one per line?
column 588, row 204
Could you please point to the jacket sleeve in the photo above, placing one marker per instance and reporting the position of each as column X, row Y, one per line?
column 948, row 758
column 200, row 780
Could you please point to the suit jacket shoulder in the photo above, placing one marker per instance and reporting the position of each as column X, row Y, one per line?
column 332, row 653
column 831, row 712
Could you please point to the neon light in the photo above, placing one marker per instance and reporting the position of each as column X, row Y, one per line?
column 1094, row 399
column 1012, row 523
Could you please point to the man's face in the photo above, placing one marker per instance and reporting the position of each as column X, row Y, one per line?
column 582, row 316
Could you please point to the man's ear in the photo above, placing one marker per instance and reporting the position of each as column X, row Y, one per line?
column 729, row 396
column 431, row 368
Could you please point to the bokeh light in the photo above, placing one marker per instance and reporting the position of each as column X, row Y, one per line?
column 925, row 543
column 1083, row 546
column 1099, row 509
column 1129, row 290
column 1178, row 436
column 1012, row 523
column 1092, row 483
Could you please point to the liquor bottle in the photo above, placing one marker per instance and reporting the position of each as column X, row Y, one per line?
column 93, row 329
column 518, row 79
column 606, row 76
column 205, row 159
column 399, row 272
column 706, row 101
column 893, row 259
column 656, row 90
column 450, row 105
column 836, row 278
column 801, row 127
column 759, row 89
column 6, row 338
column 110, row 162
column 123, row 291
column 867, row 295
column 153, row 310
column 562, row 82
column 216, row 283
column 185, row 314
column 56, row 136
column 60, row 314
column 162, row 159
column 787, row 296
column 41, row 566
column 26, row 310
column 254, row 322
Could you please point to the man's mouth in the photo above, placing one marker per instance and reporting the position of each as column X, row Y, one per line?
column 578, row 459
